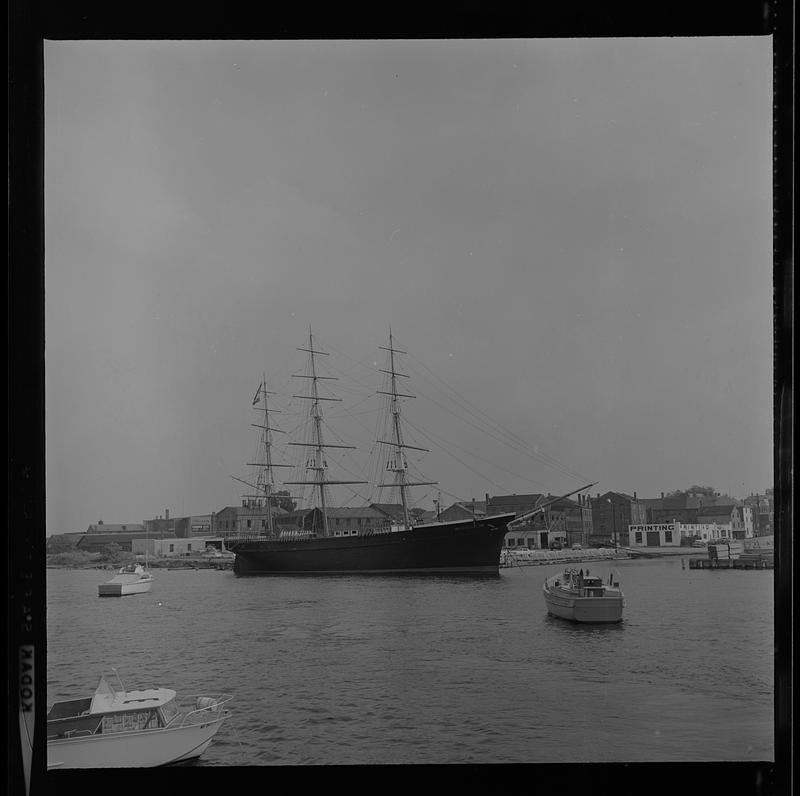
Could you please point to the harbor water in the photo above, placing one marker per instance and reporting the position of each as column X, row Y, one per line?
column 400, row 670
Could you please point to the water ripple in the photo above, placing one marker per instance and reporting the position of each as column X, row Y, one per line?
column 364, row 670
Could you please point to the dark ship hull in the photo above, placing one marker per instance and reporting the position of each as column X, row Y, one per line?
column 464, row 547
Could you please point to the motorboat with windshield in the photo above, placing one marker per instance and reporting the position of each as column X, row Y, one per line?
column 120, row 728
column 583, row 597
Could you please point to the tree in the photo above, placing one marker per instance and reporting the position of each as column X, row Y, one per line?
column 283, row 499
column 707, row 491
column 114, row 554
column 60, row 544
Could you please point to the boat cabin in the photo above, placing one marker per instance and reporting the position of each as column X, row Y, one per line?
column 111, row 712
column 587, row 585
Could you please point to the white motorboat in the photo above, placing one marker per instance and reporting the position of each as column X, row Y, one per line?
column 131, row 579
column 583, row 598
column 116, row 729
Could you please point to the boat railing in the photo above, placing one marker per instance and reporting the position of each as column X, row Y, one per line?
column 213, row 709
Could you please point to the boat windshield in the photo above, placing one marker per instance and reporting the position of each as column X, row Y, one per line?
column 169, row 710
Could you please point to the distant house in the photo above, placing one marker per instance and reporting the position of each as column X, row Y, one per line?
column 531, row 533
column 464, row 510
column 344, row 521
column 763, row 509
column 170, row 547
column 110, row 527
column 394, row 511
column 612, row 514
column 100, row 534
column 251, row 518
column 96, row 542
column 739, row 518
column 572, row 517
column 518, row 504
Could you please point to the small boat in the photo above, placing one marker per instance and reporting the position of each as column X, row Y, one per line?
column 583, row 598
column 131, row 579
column 115, row 729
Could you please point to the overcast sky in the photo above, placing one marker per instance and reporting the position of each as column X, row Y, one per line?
column 570, row 237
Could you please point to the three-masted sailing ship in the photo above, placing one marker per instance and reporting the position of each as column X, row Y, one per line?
column 463, row 547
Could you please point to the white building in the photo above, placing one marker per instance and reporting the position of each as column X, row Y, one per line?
column 176, row 547
column 669, row 534
column 661, row 534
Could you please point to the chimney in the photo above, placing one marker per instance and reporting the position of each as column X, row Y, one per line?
column 634, row 496
column 662, row 495
column 166, row 514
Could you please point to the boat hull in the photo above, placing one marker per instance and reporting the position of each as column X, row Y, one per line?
column 112, row 589
column 452, row 548
column 567, row 604
column 143, row 748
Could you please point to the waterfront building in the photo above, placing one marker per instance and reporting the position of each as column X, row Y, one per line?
column 96, row 541
column 251, row 518
column 763, row 508
column 569, row 521
column 464, row 510
column 673, row 534
column 738, row 517
column 393, row 511
column 673, row 508
column 708, row 532
column 612, row 514
column 111, row 527
column 519, row 504
column 200, row 525
column 175, row 546
column 342, row 521
column 533, row 533
column 661, row 534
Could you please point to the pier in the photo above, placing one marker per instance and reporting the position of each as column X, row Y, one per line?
column 732, row 563
column 528, row 558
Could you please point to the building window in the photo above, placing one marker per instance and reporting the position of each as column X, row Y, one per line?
column 172, row 548
column 520, row 542
column 638, row 536
column 249, row 523
column 189, row 547
column 510, row 542
column 667, row 536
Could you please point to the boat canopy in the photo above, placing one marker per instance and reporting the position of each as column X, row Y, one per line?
column 106, row 700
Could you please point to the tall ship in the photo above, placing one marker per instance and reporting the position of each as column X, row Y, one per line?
column 461, row 547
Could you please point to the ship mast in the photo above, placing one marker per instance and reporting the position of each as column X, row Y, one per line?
column 264, row 479
column 317, row 463
column 397, row 463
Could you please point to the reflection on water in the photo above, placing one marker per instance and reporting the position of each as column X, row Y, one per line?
column 372, row 669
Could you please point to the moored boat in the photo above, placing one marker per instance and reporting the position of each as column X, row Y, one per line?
column 119, row 728
column 131, row 579
column 463, row 547
column 583, row 598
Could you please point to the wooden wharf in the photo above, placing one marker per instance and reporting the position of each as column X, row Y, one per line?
column 731, row 563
